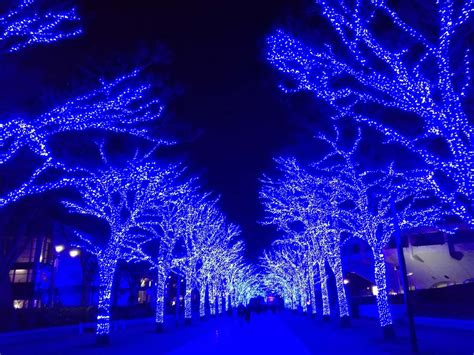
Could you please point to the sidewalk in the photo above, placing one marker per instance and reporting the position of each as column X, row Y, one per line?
column 267, row 333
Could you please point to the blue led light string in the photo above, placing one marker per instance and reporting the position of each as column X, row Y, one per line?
column 212, row 299
column 139, row 189
column 30, row 23
column 118, row 106
column 202, row 300
column 298, row 196
column 323, row 283
column 370, row 192
column 425, row 84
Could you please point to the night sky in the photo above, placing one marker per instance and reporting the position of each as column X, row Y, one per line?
column 208, row 62
column 221, row 95
column 227, row 92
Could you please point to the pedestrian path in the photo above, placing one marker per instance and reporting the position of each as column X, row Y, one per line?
column 266, row 333
column 263, row 334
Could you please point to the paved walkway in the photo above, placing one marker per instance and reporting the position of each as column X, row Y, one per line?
column 267, row 333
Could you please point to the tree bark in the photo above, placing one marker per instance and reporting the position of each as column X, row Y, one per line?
column 219, row 302
column 383, row 308
column 202, row 301
column 294, row 301
column 336, row 266
column 160, row 299
column 187, row 298
column 107, row 267
column 324, row 289
column 212, row 300
column 312, row 291
column 303, row 303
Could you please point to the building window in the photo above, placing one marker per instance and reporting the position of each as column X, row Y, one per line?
column 28, row 255
column 143, row 297
column 46, row 255
column 20, row 304
column 146, row 282
column 20, row 275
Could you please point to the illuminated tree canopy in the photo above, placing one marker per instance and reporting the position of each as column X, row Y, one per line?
column 121, row 105
column 373, row 194
column 398, row 66
column 305, row 207
column 34, row 22
column 320, row 206
column 287, row 272
column 118, row 106
column 128, row 200
column 158, row 249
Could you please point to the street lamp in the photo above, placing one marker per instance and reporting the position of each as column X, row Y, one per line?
column 58, row 250
column 74, row 252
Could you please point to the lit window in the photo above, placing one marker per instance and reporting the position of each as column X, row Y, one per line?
column 28, row 254
column 46, row 251
column 20, row 275
column 143, row 297
column 19, row 304
column 74, row 252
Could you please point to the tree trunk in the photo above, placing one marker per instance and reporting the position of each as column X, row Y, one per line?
column 219, row 303
column 107, row 267
column 227, row 303
column 202, row 301
column 385, row 317
column 294, row 301
column 312, row 291
column 303, row 303
column 187, row 299
column 336, row 266
column 212, row 300
column 160, row 299
column 324, row 289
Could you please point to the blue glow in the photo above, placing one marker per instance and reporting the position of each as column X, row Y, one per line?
column 29, row 24
column 312, row 196
column 311, row 201
column 428, row 86
column 118, row 106
column 141, row 189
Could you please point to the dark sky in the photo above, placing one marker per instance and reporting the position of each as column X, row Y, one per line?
column 229, row 93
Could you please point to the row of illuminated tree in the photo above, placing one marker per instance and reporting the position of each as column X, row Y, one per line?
column 155, row 215
column 378, row 67
column 319, row 206
column 158, row 217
